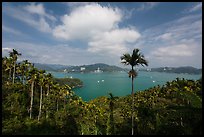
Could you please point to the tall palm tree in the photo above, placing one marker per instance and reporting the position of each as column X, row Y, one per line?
column 14, row 55
column 25, row 66
column 56, row 89
column 133, row 60
column 110, row 122
column 41, row 83
column 48, row 85
column 33, row 76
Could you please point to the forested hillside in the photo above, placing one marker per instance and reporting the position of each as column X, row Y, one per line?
column 33, row 103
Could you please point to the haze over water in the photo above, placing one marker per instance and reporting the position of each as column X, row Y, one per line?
column 118, row 83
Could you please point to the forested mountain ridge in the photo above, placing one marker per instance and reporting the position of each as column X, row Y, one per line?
column 184, row 69
column 109, row 68
column 87, row 68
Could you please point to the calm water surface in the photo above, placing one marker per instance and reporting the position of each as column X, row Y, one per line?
column 118, row 83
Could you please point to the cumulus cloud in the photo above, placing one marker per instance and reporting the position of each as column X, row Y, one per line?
column 86, row 21
column 113, row 42
column 99, row 27
column 96, row 26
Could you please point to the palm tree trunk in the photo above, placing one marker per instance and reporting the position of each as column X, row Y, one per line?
column 132, row 103
column 95, row 120
column 57, row 104
column 48, row 89
column 65, row 104
column 23, row 77
column 40, row 109
column 47, row 101
column 31, row 101
column 14, row 69
column 10, row 77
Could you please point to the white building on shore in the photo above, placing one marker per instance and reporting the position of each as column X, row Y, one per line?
column 82, row 68
column 98, row 70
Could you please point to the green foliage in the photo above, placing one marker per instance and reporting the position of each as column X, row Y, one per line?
column 174, row 109
column 72, row 82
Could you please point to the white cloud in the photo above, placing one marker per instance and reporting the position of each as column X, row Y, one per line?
column 174, row 42
column 147, row 6
column 56, row 54
column 6, row 49
column 38, row 9
column 176, row 55
column 86, row 21
column 196, row 7
column 165, row 36
column 98, row 26
column 77, row 4
column 173, row 51
column 13, row 31
column 19, row 13
column 186, row 27
column 113, row 42
column 44, row 26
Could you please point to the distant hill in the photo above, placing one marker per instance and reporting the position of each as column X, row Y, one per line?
column 91, row 68
column 85, row 68
column 49, row 67
column 185, row 69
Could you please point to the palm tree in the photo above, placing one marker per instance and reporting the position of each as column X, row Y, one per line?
column 110, row 122
column 14, row 55
column 56, row 89
column 41, row 83
column 33, row 76
column 25, row 68
column 7, row 62
column 48, row 83
column 133, row 60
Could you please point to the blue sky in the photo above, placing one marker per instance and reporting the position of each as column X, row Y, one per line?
column 73, row 33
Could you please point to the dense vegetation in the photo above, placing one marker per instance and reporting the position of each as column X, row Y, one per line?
column 33, row 103
column 72, row 82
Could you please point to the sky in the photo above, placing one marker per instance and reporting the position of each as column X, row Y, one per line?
column 81, row 33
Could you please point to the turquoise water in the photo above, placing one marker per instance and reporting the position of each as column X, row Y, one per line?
column 118, row 83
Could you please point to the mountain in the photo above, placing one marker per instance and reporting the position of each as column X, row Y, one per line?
column 185, row 69
column 83, row 68
column 101, row 67
column 50, row 67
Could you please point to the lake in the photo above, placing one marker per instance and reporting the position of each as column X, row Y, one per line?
column 118, row 83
